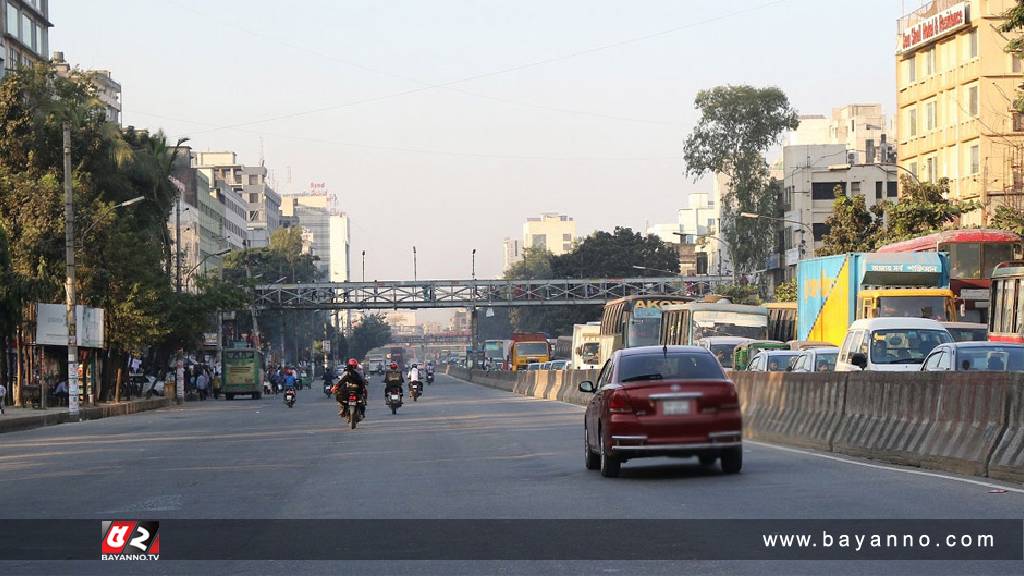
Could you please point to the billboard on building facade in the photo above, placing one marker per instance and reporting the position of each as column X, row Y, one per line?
column 52, row 325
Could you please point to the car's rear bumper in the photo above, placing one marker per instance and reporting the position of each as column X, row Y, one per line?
column 640, row 446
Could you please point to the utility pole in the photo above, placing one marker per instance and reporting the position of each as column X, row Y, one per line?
column 364, row 265
column 69, row 250
column 413, row 263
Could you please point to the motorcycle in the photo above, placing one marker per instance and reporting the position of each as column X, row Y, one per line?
column 415, row 389
column 327, row 389
column 352, row 407
column 430, row 377
column 393, row 398
column 289, row 397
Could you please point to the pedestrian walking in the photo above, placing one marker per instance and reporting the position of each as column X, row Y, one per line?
column 201, row 384
column 3, row 397
column 61, row 392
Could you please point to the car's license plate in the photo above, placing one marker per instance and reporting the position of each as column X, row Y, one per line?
column 676, row 408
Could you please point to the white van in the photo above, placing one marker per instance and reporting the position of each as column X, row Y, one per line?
column 892, row 344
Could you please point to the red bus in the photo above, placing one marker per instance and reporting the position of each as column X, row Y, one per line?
column 1006, row 323
column 972, row 256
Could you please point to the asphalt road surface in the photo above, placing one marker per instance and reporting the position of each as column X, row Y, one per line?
column 461, row 452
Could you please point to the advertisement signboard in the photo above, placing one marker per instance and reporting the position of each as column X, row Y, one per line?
column 52, row 325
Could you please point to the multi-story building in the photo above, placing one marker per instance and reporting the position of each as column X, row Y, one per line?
column 698, row 223
column 339, row 269
column 26, row 33
column 955, row 90
column 862, row 128
column 511, row 252
column 232, row 209
column 328, row 231
column 263, row 213
column 106, row 88
column 551, row 231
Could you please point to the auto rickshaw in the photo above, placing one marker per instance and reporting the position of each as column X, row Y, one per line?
column 744, row 352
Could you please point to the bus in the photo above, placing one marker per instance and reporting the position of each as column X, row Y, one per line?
column 781, row 321
column 242, row 373
column 633, row 321
column 686, row 324
column 1006, row 294
column 973, row 254
column 496, row 354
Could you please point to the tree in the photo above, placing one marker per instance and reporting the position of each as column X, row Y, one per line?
column 786, row 292
column 1014, row 24
column 1008, row 217
column 372, row 332
column 924, row 207
column 737, row 125
column 740, row 293
column 852, row 226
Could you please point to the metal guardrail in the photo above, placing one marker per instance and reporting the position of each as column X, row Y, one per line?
column 469, row 293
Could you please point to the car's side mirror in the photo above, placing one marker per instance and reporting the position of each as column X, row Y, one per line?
column 588, row 387
column 860, row 360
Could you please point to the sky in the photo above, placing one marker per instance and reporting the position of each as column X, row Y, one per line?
column 445, row 124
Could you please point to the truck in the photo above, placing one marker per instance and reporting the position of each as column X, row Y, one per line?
column 529, row 348
column 833, row 291
column 586, row 346
column 496, row 353
column 396, row 354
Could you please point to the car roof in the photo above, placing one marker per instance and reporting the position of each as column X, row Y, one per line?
column 985, row 344
column 900, row 322
column 725, row 340
column 778, row 352
column 973, row 325
column 816, row 349
column 645, row 350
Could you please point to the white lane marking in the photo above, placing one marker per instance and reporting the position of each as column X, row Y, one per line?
column 890, row 468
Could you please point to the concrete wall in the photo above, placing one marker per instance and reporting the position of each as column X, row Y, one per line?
column 963, row 422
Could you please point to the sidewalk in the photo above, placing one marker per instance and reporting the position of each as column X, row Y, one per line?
column 26, row 418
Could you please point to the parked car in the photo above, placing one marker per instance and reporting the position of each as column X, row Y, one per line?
column 816, row 359
column 981, row 356
column 559, row 365
column 654, row 401
column 892, row 344
column 967, row 331
column 723, row 347
column 772, row 360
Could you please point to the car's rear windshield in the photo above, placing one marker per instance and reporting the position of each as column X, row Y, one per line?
column 671, row 366
column 991, row 358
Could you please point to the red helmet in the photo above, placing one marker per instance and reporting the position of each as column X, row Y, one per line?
column 394, row 365
column 353, row 363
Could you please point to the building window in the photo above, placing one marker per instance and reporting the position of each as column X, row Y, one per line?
column 930, row 116
column 878, row 190
column 39, row 45
column 854, row 188
column 820, row 230
column 26, row 29
column 912, row 167
column 566, row 237
column 826, row 190
column 1018, row 122
column 566, row 247
column 912, row 69
column 932, row 164
column 890, row 187
column 975, row 159
column 972, row 101
column 929, row 62
column 12, row 19
column 1015, row 65
column 254, row 198
column 253, row 179
column 972, row 44
column 912, row 121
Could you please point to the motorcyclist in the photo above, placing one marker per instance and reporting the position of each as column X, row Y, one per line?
column 289, row 380
column 393, row 380
column 351, row 377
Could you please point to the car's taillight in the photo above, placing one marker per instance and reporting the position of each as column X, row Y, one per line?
column 732, row 401
column 619, row 403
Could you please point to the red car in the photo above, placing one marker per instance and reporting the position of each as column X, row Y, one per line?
column 662, row 401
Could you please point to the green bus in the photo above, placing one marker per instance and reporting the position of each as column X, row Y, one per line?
column 242, row 373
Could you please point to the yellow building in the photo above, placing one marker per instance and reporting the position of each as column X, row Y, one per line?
column 955, row 90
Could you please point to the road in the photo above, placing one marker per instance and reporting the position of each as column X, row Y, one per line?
column 463, row 451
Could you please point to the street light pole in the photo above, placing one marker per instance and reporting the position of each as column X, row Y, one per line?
column 364, row 265
column 413, row 263
column 474, row 263
column 69, row 250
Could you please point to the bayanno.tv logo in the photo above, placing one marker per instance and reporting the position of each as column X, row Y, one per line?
column 130, row 540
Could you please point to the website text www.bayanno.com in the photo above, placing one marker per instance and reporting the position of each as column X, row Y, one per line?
column 874, row 541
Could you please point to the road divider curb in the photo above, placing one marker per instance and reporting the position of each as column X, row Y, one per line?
column 86, row 413
column 1007, row 461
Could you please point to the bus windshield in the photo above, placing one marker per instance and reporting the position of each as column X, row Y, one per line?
column 933, row 307
column 532, row 348
column 493, row 350
column 724, row 323
column 975, row 261
column 590, row 352
column 905, row 346
column 644, row 327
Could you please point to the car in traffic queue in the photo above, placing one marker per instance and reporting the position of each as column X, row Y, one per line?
column 975, row 356
column 662, row 401
column 745, row 352
column 890, row 344
column 723, row 347
column 967, row 331
column 816, row 359
column 772, row 361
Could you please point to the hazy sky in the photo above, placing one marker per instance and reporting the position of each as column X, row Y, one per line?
column 579, row 107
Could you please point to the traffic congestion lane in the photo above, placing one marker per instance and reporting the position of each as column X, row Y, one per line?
column 462, row 451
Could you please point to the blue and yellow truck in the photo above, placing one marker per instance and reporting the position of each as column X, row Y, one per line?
column 833, row 291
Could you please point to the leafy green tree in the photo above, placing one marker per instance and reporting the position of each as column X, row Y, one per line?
column 737, row 125
column 852, row 226
column 740, row 293
column 1008, row 218
column 922, row 208
column 1014, row 24
column 372, row 332
column 786, row 292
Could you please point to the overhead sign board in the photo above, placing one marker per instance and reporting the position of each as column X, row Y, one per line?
column 934, row 27
column 52, row 325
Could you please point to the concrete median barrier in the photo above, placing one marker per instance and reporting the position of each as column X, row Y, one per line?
column 950, row 421
column 28, row 422
column 797, row 409
column 1007, row 461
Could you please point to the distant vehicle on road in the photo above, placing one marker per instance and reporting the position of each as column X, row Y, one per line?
column 890, row 344
column 688, row 323
column 527, row 348
column 559, row 365
column 967, row 331
column 817, row 359
column 1006, row 320
column 975, row 356
column 723, row 347
column 772, row 360
column 745, row 352
column 586, row 346
column 242, row 373
column 634, row 321
column 654, row 401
